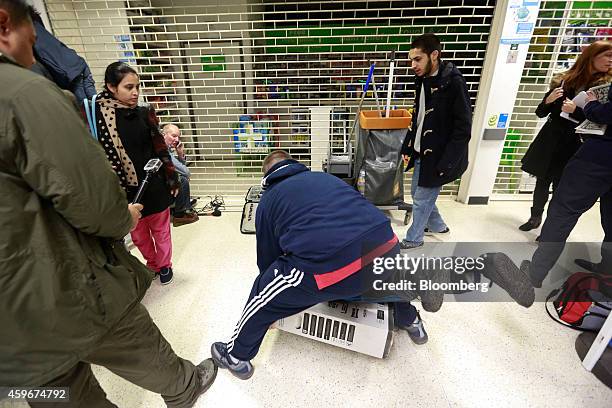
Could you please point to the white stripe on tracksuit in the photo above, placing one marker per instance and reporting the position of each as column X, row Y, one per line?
column 270, row 287
column 278, row 285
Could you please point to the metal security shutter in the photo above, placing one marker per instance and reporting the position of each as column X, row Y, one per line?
column 227, row 71
column 562, row 28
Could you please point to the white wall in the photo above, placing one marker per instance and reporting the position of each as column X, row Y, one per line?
column 504, row 63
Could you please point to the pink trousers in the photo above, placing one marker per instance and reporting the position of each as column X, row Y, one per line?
column 153, row 240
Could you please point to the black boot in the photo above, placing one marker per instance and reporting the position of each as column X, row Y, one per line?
column 589, row 266
column 504, row 272
column 534, row 221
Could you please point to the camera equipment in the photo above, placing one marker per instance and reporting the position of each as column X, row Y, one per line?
column 151, row 168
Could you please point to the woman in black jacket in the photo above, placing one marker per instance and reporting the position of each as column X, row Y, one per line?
column 557, row 141
column 130, row 136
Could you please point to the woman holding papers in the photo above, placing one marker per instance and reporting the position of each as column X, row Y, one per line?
column 557, row 141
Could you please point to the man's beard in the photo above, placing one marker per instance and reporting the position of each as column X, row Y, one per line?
column 428, row 67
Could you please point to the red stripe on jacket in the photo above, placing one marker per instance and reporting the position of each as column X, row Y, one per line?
column 330, row 278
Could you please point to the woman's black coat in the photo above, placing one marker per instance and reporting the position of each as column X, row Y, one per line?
column 556, row 142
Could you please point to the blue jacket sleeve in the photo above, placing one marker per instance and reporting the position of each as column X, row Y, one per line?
column 89, row 85
column 180, row 167
column 268, row 248
column 600, row 112
column 64, row 64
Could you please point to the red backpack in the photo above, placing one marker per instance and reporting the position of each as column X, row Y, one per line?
column 584, row 301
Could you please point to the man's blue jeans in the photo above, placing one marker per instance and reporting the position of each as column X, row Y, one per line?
column 425, row 214
column 182, row 202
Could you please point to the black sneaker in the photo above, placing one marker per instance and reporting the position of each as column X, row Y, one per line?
column 416, row 330
column 165, row 276
column 410, row 244
column 239, row 368
column 428, row 231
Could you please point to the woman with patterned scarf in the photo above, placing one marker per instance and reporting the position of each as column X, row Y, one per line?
column 130, row 137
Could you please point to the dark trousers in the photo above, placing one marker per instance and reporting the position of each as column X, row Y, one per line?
column 182, row 202
column 540, row 194
column 135, row 350
column 282, row 290
column 582, row 183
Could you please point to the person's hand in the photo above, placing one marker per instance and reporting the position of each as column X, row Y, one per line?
column 406, row 158
column 175, row 191
column 554, row 95
column 568, row 106
column 590, row 97
column 135, row 210
column 180, row 151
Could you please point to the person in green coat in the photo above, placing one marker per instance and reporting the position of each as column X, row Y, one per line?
column 69, row 291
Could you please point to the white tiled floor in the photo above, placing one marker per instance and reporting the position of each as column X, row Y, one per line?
column 478, row 355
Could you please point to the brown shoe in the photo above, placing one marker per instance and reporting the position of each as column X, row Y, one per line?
column 206, row 372
column 185, row 218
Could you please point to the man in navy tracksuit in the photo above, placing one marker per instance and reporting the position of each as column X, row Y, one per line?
column 586, row 178
column 316, row 238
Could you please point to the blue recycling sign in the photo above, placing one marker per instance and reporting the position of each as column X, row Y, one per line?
column 502, row 122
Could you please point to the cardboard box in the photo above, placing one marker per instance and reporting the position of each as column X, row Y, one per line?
column 247, row 222
column 374, row 120
column 362, row 327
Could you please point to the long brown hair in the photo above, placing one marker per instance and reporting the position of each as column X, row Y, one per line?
column 582, row 73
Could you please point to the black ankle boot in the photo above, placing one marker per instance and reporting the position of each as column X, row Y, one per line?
column 589, row 266
column 534, row 221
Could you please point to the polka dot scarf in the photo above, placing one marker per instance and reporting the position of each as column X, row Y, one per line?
column 111, row 142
